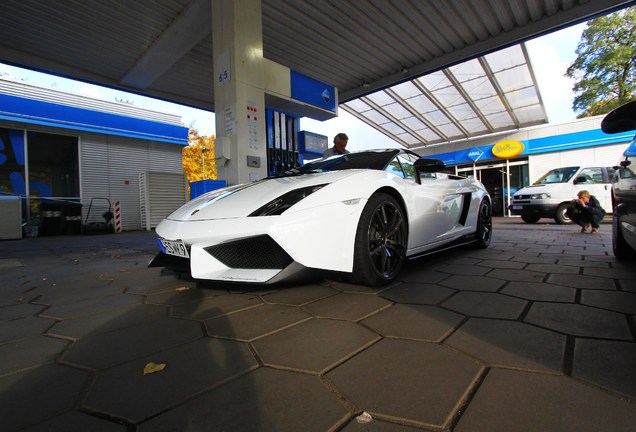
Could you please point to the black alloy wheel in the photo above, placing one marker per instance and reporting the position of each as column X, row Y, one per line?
column 484, row 225
column 620, row 247
column 381, row 240
column 530, row 219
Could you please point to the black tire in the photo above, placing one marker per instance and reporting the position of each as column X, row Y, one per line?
column 483, row 233
column 381, row 240
column 561, row 216
column 620, row 247
column 530, row 219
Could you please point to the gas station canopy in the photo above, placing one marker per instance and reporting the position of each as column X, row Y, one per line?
column 485, row 95
column 398, row 65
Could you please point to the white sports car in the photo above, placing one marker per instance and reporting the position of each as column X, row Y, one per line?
column 361, row 213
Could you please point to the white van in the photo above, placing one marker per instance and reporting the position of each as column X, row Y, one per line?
column 550, row 196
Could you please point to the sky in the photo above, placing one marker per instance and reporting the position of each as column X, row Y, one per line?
column 550, row 56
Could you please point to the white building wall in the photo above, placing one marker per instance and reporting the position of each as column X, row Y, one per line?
column 110, row 168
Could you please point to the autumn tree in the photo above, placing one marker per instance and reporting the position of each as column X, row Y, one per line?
column 604, row 69
column 198, row 157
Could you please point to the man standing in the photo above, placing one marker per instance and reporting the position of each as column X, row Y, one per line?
column 339, row 146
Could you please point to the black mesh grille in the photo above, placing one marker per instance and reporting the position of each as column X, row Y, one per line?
column 260, row 252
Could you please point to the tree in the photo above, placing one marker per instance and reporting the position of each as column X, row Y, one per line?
column 604, row 69
column 198, row 157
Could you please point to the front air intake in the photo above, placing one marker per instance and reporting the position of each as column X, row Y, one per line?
column 260, row 252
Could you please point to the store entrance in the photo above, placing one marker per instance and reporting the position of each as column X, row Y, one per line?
column 493, row 177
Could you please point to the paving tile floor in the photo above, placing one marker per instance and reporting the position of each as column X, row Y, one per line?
column 535, row 333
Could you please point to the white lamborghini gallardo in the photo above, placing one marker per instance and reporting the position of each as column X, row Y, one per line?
column 362, row 213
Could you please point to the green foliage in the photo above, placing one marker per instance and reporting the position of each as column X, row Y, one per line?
column 605, row 67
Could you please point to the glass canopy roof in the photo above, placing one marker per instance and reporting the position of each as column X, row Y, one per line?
column 489, row 94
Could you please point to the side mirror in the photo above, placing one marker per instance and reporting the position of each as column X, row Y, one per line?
column 626, row 163
column 580, row 179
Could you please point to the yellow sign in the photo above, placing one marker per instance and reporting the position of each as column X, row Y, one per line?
column 507, row 148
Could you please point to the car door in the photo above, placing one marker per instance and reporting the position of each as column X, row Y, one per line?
column 434, row 206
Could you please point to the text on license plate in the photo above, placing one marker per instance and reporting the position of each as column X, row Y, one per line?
column 176, row 248
column 517, row 207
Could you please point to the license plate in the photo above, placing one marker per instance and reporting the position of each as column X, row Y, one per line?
column 176, row 248
column 517, row 207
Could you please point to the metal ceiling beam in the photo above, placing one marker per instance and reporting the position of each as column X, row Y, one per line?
column 194, row 24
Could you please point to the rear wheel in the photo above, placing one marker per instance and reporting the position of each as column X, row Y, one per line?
column 620, row 247
column 484, row 225
column 381, row 239
column 530, row 219
column 561, row 216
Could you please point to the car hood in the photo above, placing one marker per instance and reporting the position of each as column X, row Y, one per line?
column 242, row 200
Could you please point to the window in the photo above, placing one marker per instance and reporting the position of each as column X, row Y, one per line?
column 591, row 176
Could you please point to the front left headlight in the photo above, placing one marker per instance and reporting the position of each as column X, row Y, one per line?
column 540, row 196
column 277, row 206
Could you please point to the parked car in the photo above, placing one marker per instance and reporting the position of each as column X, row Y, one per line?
column 550, row 196
column 623, row 119
column 362, row 214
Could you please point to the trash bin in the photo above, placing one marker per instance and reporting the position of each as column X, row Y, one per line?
column 72, row 218
column 202, row 186
column 52, row 219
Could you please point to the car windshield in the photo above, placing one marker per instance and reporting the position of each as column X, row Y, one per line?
column 373, row 159
column 558, row 175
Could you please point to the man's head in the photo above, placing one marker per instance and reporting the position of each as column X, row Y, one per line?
column 340, row 142
column 584, row 196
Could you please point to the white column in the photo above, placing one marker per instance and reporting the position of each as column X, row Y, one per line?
column 239, row 98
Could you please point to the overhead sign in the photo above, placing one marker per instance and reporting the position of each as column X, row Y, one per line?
column 507, row 148
column 475, row 154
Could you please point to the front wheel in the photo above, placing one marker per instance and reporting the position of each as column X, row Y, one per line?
column 381, row 240
column 561, row 217
column 530, row 219
column 484, row 225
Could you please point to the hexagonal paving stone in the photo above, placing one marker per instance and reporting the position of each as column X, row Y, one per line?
column 182, row 293
column 210, row 307
column 486, row 305
column 468, row 270
column 617, row 301
column 254, row 402
column 614, row 273
column 473, row 283
column 23, row 328
column 255, row 322
column 347, row 306
column 299, row 295
column 433, row 389
column 126, row 392
column 118, row 346
column 417, row 293
column 375, row 425
column 414, row 322
column 416, row 272
column 34, row 395
column 91, row 306
column 315, row 345
column 517, row 275
column 579, row 320
column 77, row 421
column 554, row 268
column 109, row 320
column 580, row 281
column 510, row 344
column 26, row 353
column 21, row 310
column 502, row 264
column 609, row 364
column 540, row 291
column 519, row 401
